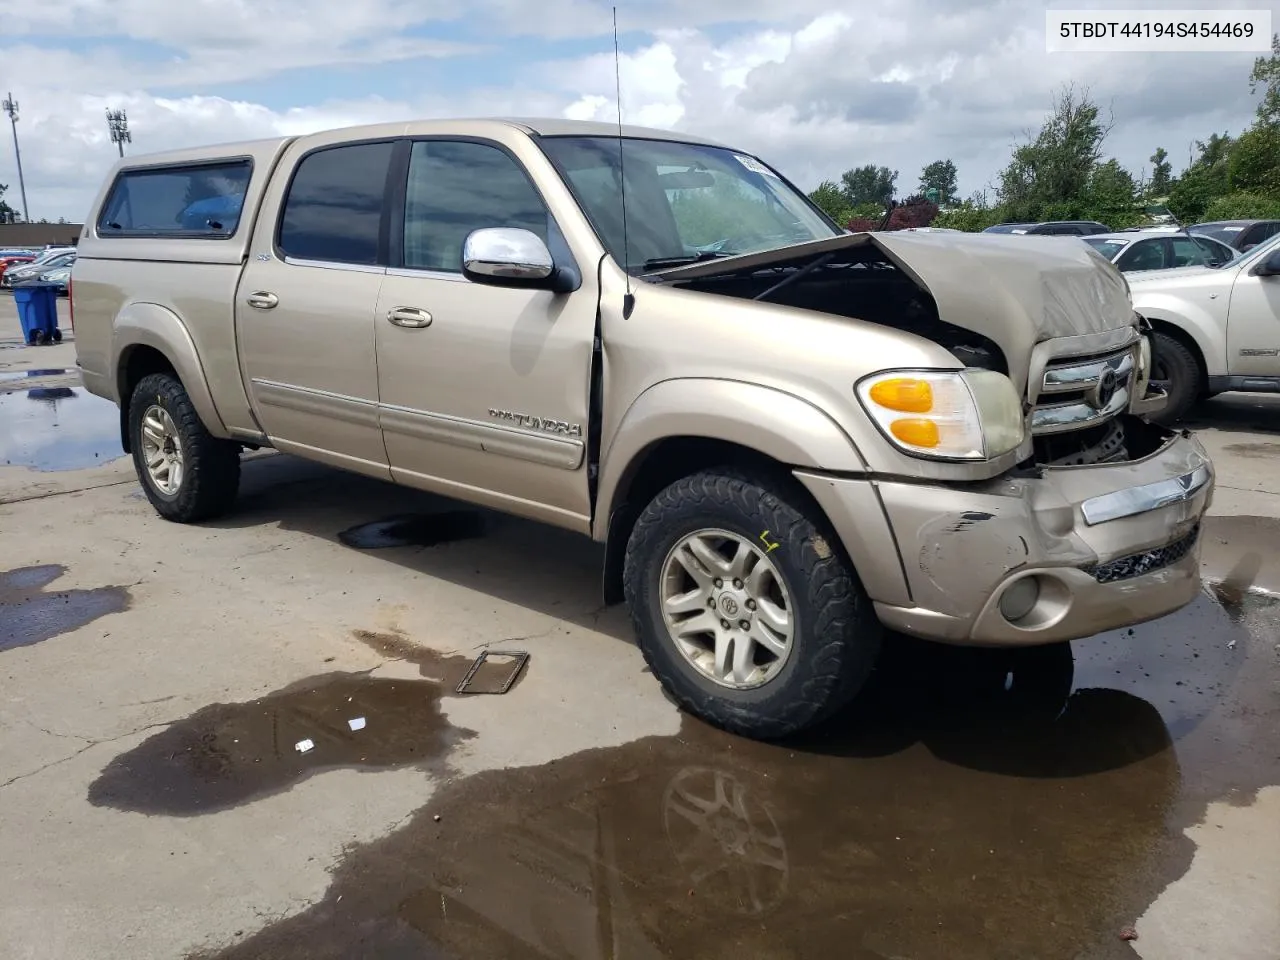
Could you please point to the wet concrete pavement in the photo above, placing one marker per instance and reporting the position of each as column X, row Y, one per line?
column 932, row 821
column 154, row 802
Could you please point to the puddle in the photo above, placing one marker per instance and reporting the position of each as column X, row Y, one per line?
column 58, row 428
column 938, row 819
column 230, row 753
column 447, row 669
column 415, row 530
column 30, row 374
column 30, row 614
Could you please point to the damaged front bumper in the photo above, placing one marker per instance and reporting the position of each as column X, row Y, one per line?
column 1105, row 546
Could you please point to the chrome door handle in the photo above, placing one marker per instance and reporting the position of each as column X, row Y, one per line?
column 262, row 300
column 409, row 317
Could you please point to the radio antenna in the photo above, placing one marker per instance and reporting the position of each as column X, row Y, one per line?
column 628, row 301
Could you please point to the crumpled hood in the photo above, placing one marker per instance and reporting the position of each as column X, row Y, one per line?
column 1018, row 291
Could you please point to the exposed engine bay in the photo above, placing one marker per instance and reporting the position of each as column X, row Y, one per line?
column 862, row 282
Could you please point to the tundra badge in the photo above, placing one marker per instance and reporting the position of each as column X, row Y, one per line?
column 544, row 424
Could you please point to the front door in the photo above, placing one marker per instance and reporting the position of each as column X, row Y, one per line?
column 305, row 305
column 1253, row 326
column 484, row 390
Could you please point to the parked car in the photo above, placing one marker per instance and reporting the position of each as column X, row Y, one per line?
column 781, row 444
column 1057, row 228
column 60, row 276
column 1159, row 249
column 8, row 260
column 1244, row 235
column 31, row 271
column 1215, row 329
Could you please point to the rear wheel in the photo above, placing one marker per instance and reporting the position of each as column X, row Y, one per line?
column 188, row 474
column 744, row 608
column 1175, row 370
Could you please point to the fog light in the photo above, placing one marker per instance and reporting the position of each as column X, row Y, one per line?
column 1019, row 599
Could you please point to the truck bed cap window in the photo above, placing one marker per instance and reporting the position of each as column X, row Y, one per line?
column 200, row 200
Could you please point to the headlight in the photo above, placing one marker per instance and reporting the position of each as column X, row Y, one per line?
column 967, row 414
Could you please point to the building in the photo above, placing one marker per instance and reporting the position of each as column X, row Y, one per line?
column 38, row 234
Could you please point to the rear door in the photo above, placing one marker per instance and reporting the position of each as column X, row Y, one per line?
column 484, row 390
column 305, row 305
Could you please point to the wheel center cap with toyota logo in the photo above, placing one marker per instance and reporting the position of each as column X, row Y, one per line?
column 729, row 606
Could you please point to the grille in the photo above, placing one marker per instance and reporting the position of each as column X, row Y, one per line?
column 1083, row 392
column 1149, row 561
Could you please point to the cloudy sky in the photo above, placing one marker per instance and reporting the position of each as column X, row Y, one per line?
column 813, row 86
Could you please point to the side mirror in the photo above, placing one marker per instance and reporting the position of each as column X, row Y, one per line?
column 1269, row 267
column 507, row 257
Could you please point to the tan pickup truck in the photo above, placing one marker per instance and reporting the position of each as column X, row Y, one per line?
column 790, row 438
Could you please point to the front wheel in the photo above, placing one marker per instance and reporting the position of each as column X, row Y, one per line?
column 1174, row 368
column 188, row 474
column 744, row 607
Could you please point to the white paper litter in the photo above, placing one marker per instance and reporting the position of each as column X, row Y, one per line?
column 302, row 746
column 356, row 723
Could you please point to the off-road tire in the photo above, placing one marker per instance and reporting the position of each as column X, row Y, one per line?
column 211, row 465
column 837, row 635
column 1186, row 383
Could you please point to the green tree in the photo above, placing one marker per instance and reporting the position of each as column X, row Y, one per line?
column 1047, row 176
column 969, row 215
column 830, row 199
column 1111, row 193
column 1161, row 173
column 7, row 213
column 940, row 176
column 1266, row 77
column 869, row 185
column 1204, row 181
column 1253, row 163
column 1243, row 206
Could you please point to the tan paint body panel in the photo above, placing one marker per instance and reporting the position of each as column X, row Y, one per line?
column 490, row 402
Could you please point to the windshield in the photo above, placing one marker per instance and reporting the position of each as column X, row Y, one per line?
column 1225, row 233
column 685, row 202
column 1108, row 248
column 1268, row 244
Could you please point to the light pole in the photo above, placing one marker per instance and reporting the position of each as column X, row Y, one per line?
column 118, row 124
column 10, row 106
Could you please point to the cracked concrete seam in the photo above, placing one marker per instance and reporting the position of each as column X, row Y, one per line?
column 88, row 745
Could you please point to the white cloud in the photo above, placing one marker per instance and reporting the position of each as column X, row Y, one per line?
column 899, row 83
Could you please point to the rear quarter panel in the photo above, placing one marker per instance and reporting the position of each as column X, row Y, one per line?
column 175, row 294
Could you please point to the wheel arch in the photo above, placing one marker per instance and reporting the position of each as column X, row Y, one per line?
column 148, row 338
column 677, row 428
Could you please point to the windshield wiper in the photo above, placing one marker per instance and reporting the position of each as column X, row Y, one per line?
column 658, row 263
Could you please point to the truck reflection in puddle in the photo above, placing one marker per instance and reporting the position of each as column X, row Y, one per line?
column 931, row 822
column 57, row 428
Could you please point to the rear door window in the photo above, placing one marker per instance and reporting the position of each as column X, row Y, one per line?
column 336, row 201
column 201, row 200
column 1187, row 253
column 1143, row 255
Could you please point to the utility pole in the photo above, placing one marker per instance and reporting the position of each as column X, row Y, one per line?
column 10, row 106
column 118, row 124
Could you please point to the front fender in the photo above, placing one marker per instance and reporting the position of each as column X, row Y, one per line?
column 779, row 425
column 151, row 325
column 1203, row 325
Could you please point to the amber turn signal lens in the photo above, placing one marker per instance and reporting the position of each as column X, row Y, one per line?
column 905, row 394
column 918, row 433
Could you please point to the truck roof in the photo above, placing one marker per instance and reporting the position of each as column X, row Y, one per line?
column 542, row 126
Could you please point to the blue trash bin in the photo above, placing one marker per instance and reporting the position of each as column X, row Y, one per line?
column 37, row 305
